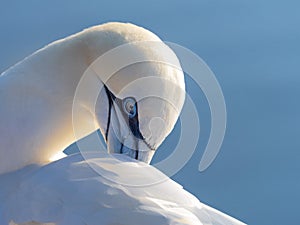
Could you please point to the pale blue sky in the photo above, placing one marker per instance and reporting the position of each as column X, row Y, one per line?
column 253, row 48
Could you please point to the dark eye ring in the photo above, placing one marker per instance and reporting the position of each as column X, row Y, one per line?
column 129, row 106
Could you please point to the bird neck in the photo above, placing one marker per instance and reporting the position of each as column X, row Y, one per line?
column 36, row 98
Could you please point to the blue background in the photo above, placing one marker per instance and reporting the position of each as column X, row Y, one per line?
column 252, row 47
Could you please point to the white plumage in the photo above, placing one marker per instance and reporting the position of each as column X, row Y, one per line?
column 36, row 125
column 70, row 192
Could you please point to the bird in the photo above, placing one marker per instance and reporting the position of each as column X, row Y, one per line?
column 118, row 78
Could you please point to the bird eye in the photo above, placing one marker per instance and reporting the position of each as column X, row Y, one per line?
column 129, row 107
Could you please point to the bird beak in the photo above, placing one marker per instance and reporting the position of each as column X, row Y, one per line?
column 123, row 135
column 129, row 146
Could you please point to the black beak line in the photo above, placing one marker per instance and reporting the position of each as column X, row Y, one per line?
column 111, row 97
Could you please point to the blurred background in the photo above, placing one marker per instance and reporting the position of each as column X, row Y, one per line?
column 253, row 47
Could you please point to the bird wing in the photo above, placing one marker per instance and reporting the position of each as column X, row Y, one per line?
column 100, row 189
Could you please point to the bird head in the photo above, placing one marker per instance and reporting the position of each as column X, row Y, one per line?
column 142, row 96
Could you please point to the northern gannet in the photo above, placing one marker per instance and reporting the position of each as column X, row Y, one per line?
column 37, row 122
